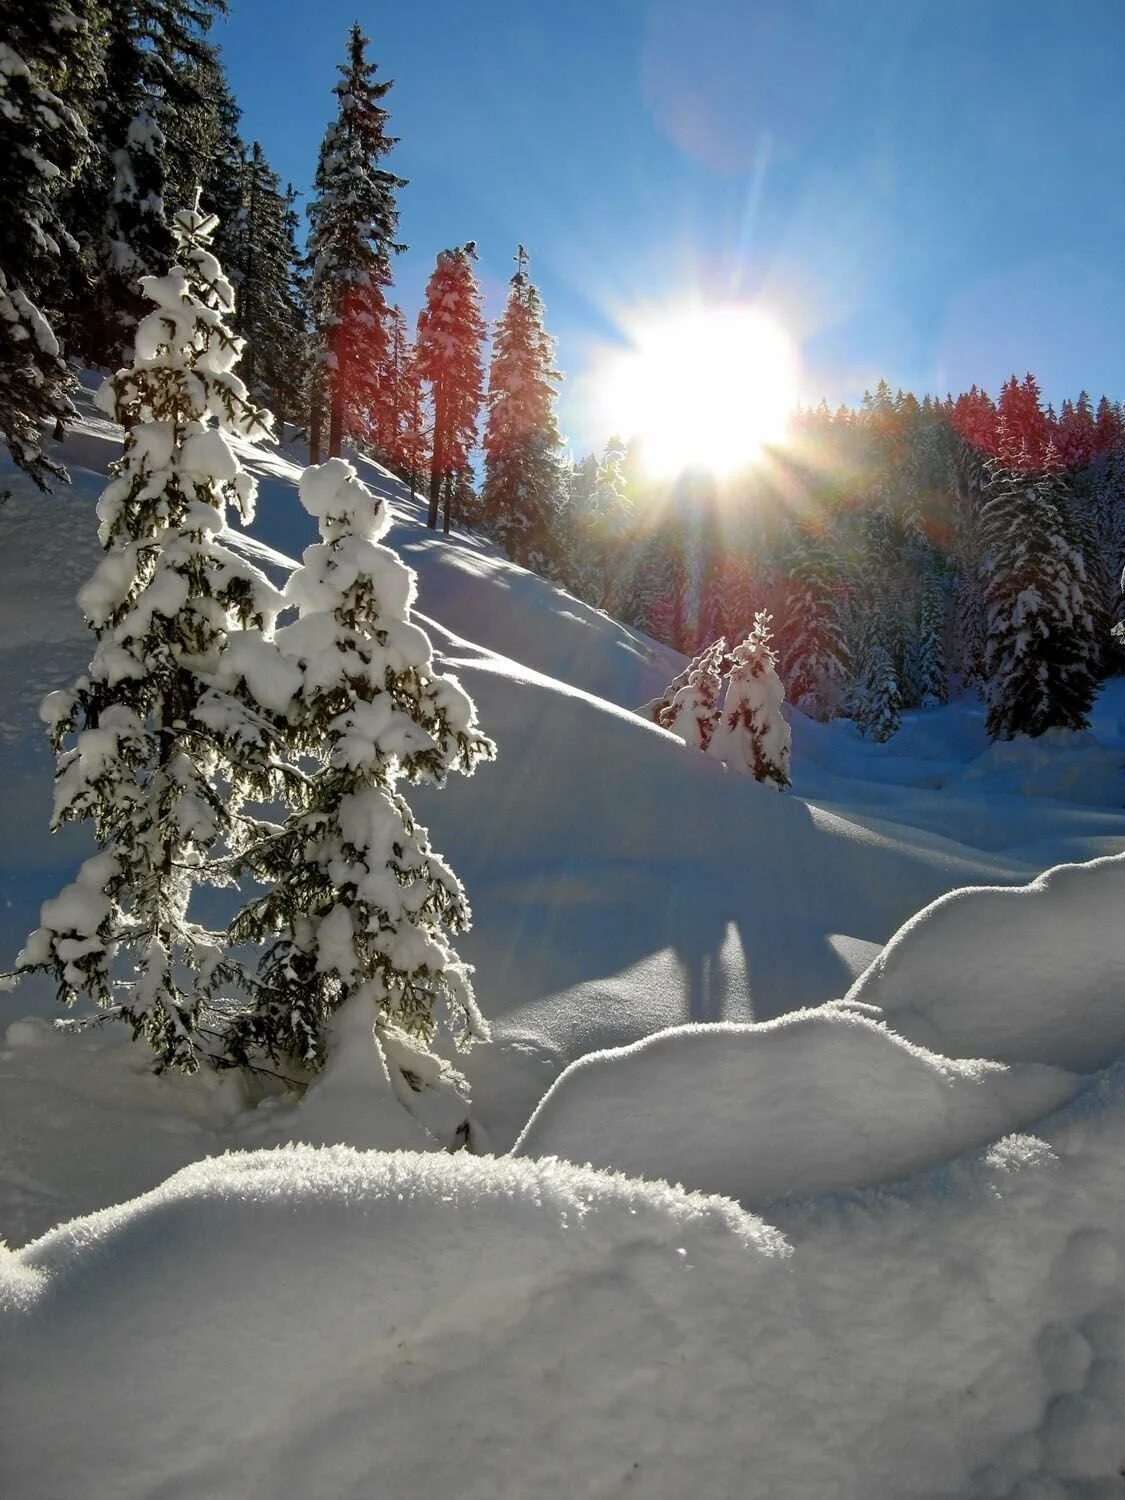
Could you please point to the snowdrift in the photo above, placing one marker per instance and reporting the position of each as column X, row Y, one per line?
column 813, row 1103
column 1032, row 974
column 366, row 1325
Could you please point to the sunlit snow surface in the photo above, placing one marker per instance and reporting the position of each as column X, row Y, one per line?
column 937, row 1308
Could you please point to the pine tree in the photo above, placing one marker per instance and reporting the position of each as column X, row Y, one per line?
column 162, row 740
column 392, row 392
column 521, row 492
column 414, row 440
column 877, row 705
column 1041, row 653
column 353, row 220
column 448, row 357
column 43, row 143
column 358, row 906
column 815, row 653
column 752, row 734
column 269, row 315
column 926, row 685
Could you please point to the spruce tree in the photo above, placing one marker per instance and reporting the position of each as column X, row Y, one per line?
column 752, row 734
column 154, row 63
column 358, row 906
column 43, row 143
column 269, row 315
column 925, row 653
column 521, row 493
column 352, row 224
column 1041, row 655
column 448, row 357
column 815, row 654
column 162, row 739
column 877, row 701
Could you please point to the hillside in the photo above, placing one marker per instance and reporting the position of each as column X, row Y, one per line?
column 941, row 1233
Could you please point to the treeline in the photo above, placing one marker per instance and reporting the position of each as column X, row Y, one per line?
column 904, row 549
column 111, row 113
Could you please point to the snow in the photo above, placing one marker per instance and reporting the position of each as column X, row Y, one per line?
column 816, row 1102
column 933, row 1304
column 1025, row 975
column 300, row 1321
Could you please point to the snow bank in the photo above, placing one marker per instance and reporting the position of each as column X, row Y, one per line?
column 1063, row 764
column 815, row 1102
column 331, row 1323
column 1031, row 974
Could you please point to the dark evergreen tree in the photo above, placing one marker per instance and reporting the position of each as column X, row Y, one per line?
column 269, row 314
column 353, row 220
column 521, row 494
column 877, row 702
column 1041, row 652
column 815, row 657
column 448, row 356
column 154, row 63
column 43, row 143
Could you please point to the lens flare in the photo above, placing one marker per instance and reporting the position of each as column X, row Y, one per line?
column 703, row 388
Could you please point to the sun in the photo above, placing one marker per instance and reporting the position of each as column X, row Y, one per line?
column 703, row 387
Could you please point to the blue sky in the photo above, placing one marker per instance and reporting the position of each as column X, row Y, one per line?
column 932, row 192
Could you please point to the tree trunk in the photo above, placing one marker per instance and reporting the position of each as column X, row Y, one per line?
column 438, row 457
column 448, row 501
column 336, row 418
column 316, row 422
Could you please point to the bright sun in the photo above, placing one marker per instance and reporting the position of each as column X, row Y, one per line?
column 703, row 388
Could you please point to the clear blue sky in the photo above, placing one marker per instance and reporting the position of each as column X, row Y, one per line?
column 933, row 192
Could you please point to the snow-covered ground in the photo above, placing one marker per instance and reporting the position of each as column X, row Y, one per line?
column 936, row 1306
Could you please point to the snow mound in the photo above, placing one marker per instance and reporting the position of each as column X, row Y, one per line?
column 815, row 1102
column 1063, row 764
column 335, row 1323
column 328, row 1322
column 1031, row 974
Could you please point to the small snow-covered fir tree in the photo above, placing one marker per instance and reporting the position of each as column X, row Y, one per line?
column 522, row 476
column 877, row 700
column 752, row 734
column 358, row 906
column 690, row 707
column 161, row 740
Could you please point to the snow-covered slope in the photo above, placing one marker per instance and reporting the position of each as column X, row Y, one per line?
column 937, row 1307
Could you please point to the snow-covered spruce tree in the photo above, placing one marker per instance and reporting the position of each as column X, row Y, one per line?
column 357, row 906
column 448, row 357
column 876, row 701
column 1041, row 656
column 154, row 750
column 690, row 706
column 815, row 660
column 352, row 223
column 43, row 142
column 522, row 478
column 752, row 734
